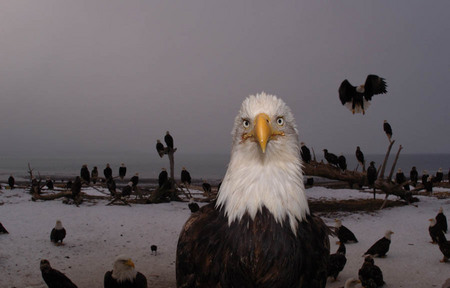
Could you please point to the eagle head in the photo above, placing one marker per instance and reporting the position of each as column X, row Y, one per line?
column 265, row 169
column 123, row 269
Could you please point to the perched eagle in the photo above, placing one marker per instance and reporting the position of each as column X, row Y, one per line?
column 169, row 140
column 259, row 232
column 305, row 153
column 124, row 275
column 343, row 233
column 337, row 262
column 371, row 174
column 122, row 171
column 434, row 230
column 387, row 129
column 54, row 278
column 370, row 274
column 441, row 220
column 58, row 233
column 11, row 181
column 357, row 98
column 381, row 247
column 331, row 158
column 160, row 148
column 360, row 157
column 185, row 177
column 444, row 246
column 163, row 177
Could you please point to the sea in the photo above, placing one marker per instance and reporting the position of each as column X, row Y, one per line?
column 208, row 167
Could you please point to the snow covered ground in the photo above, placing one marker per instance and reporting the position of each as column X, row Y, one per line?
column 97, row 233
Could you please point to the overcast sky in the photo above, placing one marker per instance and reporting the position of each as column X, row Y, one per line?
column 107, row 75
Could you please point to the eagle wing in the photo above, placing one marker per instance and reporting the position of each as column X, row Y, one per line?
column 374, row 85
column 346, row 92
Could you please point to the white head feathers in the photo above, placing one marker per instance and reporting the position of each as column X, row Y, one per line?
column 123, row 269
column 273, row 178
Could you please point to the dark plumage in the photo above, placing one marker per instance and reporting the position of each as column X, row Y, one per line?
column 387, row 129
column 84, row 174
column 135, row 179
column 434, row 230
column 163, row 177
column 337, row 262
column 444, row 246
column 441, row 220
column 107, row 172
column 357, row 99
column 381, row 247
column 331, row 158
column 370, row 274
column 413, row 176
column 111, row 185
column 154, row 249
column 169, row 140
column 439, row 176
column 122, row 171
column 11, row 182
column 360, row 157
column 76, row 187
column 193, row 207
column 53, row 278
column 305, row 153
column 160, row 148
column 58, row 233
column 124, row 275
column 206, row 188
column 424, row 177
column 400, row 178
column 49, row 184
column 94, row 174
column 371, row 174
column 343, row 233
column 342, row 162
column 127, row 190
column 185, row 177
column 238, row 241
column 3, row 229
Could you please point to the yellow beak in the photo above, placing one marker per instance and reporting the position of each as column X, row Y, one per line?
column 262, row 130
column 129, row 263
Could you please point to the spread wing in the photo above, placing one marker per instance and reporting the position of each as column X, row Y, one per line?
column 374, row 85
column 346, row 92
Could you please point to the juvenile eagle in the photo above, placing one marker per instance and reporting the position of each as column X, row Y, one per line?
column 259, row 232
column 357, row 99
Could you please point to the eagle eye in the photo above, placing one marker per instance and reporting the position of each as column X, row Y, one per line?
column 280, row 121
column 245, row 123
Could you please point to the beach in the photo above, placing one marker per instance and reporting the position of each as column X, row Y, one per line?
column 97, row 233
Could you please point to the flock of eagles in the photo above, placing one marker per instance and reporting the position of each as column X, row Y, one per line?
column 259, row 231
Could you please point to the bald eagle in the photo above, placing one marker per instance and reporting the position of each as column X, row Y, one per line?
column 441, row 220
column 54, row 278
column 343, row 233
column 331, row 158
column 434, row 230
column 360, row 157
column 169, row 140
column 259, row 232
column 337, row 262
column 357, row 98
column 124, row 275
column 370, row 274
column 387, row 129
column 185, row 177
column 381, row 247
column 160, row 148
column 58, row 233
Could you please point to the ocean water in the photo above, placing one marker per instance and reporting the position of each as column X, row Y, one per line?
column 201, row 166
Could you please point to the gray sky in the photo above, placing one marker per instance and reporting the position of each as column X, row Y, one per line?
column 107, row 75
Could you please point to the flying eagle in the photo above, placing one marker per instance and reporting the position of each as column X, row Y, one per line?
column 259, row 232
column 124, row 275
column 58, row 233
column 54, row 278
column 357, row 98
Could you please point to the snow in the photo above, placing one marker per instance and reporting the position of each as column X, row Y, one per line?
column 97, row 234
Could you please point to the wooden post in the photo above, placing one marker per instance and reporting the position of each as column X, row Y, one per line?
column 395, row 163
column 383, row 167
